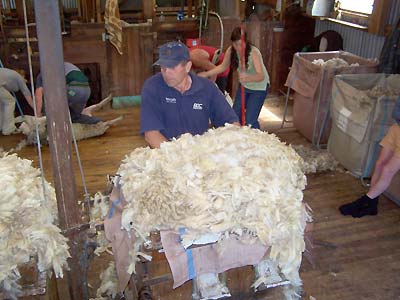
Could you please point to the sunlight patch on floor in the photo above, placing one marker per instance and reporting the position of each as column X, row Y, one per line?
column 267, row 115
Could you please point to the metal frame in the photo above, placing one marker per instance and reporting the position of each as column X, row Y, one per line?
column 316, row 136
column 139, row 286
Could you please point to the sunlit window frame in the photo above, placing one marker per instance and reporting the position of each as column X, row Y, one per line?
column 355, row 17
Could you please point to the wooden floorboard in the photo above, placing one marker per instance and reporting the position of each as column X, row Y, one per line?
column 355, row 258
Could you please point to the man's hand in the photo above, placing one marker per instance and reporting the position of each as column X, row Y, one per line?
column 154, row 138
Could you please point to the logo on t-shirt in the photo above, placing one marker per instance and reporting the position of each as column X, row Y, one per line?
column 170, row 100
column 198, row 106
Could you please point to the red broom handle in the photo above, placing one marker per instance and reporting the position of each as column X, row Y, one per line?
column 243, row 69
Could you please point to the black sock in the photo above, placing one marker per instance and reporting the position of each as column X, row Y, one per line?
column 352, row 207
column 370, row 209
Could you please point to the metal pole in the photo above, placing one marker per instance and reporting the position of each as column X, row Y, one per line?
column 59, row 130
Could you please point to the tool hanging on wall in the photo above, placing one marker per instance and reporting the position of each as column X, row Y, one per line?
column 204, row 15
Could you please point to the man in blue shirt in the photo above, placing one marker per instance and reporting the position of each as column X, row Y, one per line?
column 176, row 101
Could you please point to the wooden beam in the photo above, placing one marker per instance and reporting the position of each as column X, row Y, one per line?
column 98, row 11
column 237, row 8
column 79, row 4
column 378, row 19
column 190, row 8
column 148, row 9
column 283, row 10
column 20, row 11
column 58, row 126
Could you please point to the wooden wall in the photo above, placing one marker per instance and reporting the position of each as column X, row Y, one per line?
column 212, row 35
column 85, row 45
column 127, row 72
column 278, row 42
column 122, row 75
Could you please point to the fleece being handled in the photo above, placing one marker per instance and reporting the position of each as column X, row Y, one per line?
column 229, row 180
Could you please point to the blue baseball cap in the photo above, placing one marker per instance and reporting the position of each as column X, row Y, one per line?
column 171, row 54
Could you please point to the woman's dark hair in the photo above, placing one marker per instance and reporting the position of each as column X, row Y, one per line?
column 236, row 36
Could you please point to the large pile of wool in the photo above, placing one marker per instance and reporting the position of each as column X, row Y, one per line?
column 27, row 221
column 229, row 180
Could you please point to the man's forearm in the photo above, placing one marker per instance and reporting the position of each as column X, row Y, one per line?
column 29, row 100
column 154, row 138
column 39, row 100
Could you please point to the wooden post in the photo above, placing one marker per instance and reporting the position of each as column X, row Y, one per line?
column 190, row 8
column 79, row 4
column 20, row 11
column 283, row 10
column 148, row 9
column 237, row 8
column 378, row 18
column 58, row 126
column 98, row 11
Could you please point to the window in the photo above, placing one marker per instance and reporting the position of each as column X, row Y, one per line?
column 360, row 6
column 355, row 12
column 370, row 15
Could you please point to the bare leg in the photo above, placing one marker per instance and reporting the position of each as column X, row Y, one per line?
column 95, row 107
column 358, row 207
column 387, row 171
column 384, row 156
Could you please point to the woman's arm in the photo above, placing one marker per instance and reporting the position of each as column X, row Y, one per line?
column 220, row 68
column 259, row 75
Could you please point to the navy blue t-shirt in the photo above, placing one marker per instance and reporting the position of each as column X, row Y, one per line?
column 166, row 110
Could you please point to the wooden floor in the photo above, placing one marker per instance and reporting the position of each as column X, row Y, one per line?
column 354, row 258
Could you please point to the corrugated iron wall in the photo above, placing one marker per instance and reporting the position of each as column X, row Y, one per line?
column 357, row 41
column 66, row 3
column 70, row 3
column 394, row 13
column 12, row 4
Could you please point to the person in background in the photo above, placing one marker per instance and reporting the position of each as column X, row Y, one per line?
column 78, row 93
column 176, row 101
column 387, row 165
column 10, row 81
column 254, row 77
column 206, row 58
column 329, row 40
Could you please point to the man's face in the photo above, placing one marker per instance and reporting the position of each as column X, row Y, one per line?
column 173, row 77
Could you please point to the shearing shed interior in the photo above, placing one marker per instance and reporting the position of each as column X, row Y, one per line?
column 199, row 149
